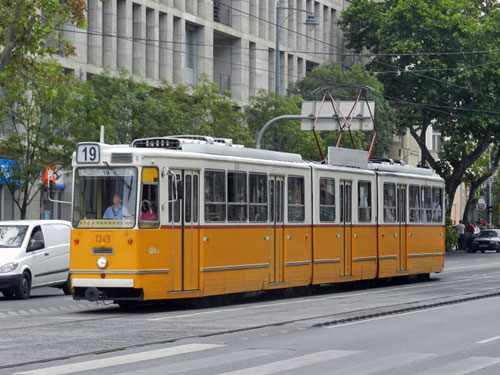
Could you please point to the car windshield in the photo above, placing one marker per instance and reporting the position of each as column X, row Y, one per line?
column 488, row 233
column 105, row 197
column 12, row 235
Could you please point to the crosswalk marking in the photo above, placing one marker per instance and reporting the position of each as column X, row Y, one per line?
column 293, row 363
column 382, row 364
column 462, row 367
column 119, row 360
column 203, row 363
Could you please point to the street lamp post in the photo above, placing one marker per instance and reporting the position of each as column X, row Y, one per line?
column 310, row 21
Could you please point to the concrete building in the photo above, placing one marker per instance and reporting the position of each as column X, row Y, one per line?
column 231, row 42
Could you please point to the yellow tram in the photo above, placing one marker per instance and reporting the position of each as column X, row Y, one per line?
column 193, row 216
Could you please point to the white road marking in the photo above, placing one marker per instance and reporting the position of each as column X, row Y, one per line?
column 119, row 360
column 489, row 340
column 204, row 363
column 462, row 367
column 293, row 363
column 382, row 365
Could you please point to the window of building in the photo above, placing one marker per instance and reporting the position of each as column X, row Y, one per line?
column 390, row 203
column 326, row 199
column 426, row 204
column 364, row 201
column 296, row 206
column 258, row 197
column 237, row 196
column 414, row 203
column 215, row 196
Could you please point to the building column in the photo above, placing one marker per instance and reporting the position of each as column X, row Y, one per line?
column 205, row 51
column 124, row 31
column 240, row 19
column 109, row 26
column 263, row 18
column 179, row 61
column 139, row 43
column 240, row 74
column 166, row 53
column 152, row 43
column 94, row 35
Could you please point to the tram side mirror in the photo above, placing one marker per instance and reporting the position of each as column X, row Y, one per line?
column 180, row 190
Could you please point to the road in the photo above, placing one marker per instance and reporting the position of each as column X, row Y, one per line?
column 404, row 328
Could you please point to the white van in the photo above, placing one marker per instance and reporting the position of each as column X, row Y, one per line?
column 33, row 253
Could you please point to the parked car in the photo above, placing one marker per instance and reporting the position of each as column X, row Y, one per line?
column 488, row 239
column 34, row 253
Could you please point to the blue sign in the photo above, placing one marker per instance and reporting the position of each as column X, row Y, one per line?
column 6, row 168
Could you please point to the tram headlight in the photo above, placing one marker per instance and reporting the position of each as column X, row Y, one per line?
column 102, row 263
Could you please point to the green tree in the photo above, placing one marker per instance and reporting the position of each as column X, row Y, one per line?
column 28, row 26
column 424, row 56
column 35, row 129
column 129, row 110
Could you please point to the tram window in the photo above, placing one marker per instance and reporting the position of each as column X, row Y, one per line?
column 237, row 196
column 149, row 199
column 327, row 199
column 215, row 196
column 364, row 201
column 426, row 204
column 414, row 203
column 174, row 206
column 389, row 203
column 296, row 206
column 437, row 204
column 258, row 197
column 187, row 198
column 195, row 198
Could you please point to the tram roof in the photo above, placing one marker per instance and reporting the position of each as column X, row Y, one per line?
column 341, row 158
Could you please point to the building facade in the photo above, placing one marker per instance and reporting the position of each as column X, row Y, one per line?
column 232, row 42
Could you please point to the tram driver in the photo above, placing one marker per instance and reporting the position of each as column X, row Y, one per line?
column 116, row 211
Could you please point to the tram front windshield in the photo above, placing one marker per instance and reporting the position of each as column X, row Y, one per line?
column 105, row 197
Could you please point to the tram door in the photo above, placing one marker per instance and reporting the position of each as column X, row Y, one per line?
column 346, row 227
column 276, row 205
column 184, row 217
column 401, row 220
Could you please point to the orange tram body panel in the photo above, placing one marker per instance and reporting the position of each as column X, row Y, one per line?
column 186, row 217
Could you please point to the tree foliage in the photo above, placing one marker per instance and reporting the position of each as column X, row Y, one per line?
column 35, row 129
column 129, row 109
column 26, row 28
column 438, row 63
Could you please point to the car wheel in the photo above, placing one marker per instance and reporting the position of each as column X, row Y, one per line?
column 23, row 291
column 498, row 248
column 67, row 287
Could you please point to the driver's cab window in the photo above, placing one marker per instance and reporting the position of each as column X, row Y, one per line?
column 36, row 239
column 149, row 199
